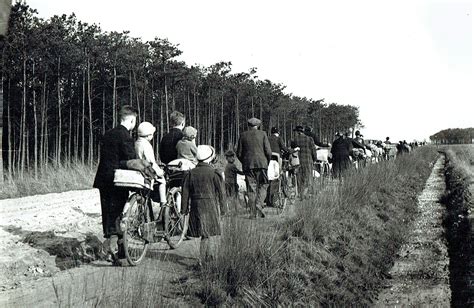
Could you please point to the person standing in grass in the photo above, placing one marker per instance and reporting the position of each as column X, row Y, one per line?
column 254, row 152
column 203, row 199
column 307, row 156
column 341, row 152
column 186, row 147
column 168, row 151
column 230, row 174
column 117, row 147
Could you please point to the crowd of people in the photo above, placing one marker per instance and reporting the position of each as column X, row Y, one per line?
column 204, row 188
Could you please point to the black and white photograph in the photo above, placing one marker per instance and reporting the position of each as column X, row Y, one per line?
column 236, row 153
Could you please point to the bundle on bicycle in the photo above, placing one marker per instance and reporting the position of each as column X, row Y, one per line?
column 140, row 224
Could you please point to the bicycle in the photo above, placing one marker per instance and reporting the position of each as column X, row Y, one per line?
column 140, row 227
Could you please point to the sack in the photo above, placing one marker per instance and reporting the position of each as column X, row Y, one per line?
column 273, row 171
column 322, row 154
column 294, row 159
column 131, row 178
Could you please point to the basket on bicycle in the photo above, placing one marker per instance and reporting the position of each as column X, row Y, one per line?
column 176, row 171
column 132, row 179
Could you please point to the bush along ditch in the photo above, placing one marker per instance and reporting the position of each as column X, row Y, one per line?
column 335, row 249
column 458, row 226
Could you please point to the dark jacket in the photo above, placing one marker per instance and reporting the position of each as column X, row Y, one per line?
column 203, row 198
column 117, row 146
column 231, row 172
column 341, row 151
column 168, row 143
column 253, row 150
column 277, row 145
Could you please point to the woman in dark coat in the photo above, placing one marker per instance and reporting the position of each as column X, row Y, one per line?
column 341, row 151
column 203, row 199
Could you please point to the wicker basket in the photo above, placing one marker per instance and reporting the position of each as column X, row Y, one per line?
column 131, row 178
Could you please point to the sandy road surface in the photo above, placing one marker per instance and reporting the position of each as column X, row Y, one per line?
column 31, row 276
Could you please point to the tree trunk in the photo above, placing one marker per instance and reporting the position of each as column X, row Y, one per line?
column 58, row 153
column 222, row 124
column 114, row 99
column 35, row 123
column 83, row 140
column 89, row 99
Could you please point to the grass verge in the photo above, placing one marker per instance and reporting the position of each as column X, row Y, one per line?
column 334, row 250
column 50, row 179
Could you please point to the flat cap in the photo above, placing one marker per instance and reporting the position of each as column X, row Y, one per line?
column 254, row 122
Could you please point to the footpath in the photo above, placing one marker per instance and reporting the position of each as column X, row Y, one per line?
column 420, row 275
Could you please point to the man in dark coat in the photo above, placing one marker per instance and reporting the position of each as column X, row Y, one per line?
column 307, row 157
column 341, row 151
column 254, row 152
column 117, row 147
column 203, row 199
column 168, row 143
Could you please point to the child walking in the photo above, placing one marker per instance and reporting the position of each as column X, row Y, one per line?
column 203, row 199
column 230, row 173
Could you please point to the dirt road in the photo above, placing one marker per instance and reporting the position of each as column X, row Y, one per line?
column 420, row 276
column 33, row 227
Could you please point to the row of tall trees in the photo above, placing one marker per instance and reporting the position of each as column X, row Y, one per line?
column 64, row 80
column 454, row 136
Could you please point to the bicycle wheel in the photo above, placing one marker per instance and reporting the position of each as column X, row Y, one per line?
column 176, row 224
column 134, row 221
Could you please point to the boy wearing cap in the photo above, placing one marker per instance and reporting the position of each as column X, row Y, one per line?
column 186, row 147
column 145, row 151
column 230, row 173
column 203, row 199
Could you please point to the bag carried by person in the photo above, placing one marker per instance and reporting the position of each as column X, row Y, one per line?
column 273, row 171
column 294, row 159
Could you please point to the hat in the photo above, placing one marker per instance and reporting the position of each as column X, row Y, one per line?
column 205, row 153
column 189, row 132
column 146, row 129
column 299, row 128
column 254, row 122
column 275, row 130
column 229, row 153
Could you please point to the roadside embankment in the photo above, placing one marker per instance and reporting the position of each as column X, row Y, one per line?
column 336, row 248
column 458, row 222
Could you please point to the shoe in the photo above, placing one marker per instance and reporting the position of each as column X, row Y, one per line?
column 121, row 263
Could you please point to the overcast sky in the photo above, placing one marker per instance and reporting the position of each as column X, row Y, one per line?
column 406, row 64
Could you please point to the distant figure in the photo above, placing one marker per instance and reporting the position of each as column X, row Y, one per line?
column 387, row 140
column 168, row 151
column 341, row 151
column 307, row 156
column 254, row 152
column 230, row 173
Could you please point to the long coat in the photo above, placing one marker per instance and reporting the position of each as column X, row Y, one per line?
column 341, row 150
column 117, row 147
column 307, row 156
column 203, row 198
column 253, row 150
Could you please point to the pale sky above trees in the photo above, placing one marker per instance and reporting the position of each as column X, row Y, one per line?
column 406, row 64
